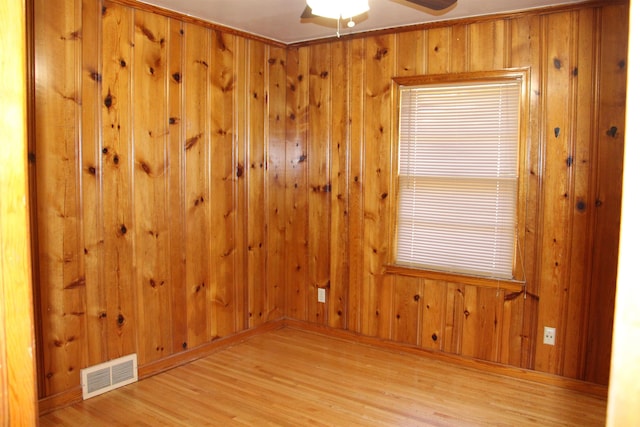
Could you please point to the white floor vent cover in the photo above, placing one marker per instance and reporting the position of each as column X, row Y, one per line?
column 110, row 375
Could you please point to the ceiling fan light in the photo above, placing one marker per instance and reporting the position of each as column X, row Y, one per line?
column 338, row 9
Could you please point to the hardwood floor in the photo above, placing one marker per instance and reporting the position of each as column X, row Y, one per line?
column 293, row 377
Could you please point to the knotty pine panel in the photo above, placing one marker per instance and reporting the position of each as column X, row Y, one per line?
column 91, row 184
column 116, row 212
column 118, row 312
column 377, row 136
column 150, row 200
column 145, row 198
column 62, row 310
column 609, row 140
column 176, row 180
column 225, row 317
column 318, row 172
column 433, row 315
column 558, row 103
column 581, row 159
column 276, row 187
column 297, row 204
column 255, row 176
column 355, row 158
column 407, row 309
column 487, row 50
column 525, row 50
column 563, row 167
column 196, row 147
column 339, row 185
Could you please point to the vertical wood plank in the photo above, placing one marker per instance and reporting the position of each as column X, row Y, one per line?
column 610, row 154
column 197, row 189
column 224, row 211
column 434, row 304
column 255, row 176
column 459, row 49
column 438, row 50
column 151, row 224
column 356, row 146
column 297, row 202
column 482, row 323
column 57, row 123
column 241, row 127
column 556, row 207
column 411, row 53
column 582, row 192
column 276, row 184
column 487, row 45
column 338, row 296
column 92, row 209
column 407, row 310
column 454, row 315
column 379, row 63
column 120, row 313
column 525, row 51
column 318, row 172
column 512, row 333
column 177, row 198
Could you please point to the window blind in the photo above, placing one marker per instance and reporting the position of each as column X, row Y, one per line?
column 458, row 174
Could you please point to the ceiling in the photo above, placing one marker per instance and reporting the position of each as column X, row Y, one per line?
column 279, row 20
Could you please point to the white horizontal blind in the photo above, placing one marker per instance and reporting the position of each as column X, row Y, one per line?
column 458, row 173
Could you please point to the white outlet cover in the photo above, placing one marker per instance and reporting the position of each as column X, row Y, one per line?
column 549, row 337
column 321, row 295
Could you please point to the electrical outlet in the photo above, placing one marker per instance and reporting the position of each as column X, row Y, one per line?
column 549, row 336
column 321, row 295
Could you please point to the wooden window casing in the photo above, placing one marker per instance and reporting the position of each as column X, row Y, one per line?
column 515, row 277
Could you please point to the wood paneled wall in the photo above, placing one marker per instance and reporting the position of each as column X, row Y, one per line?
column 158, row 198
column 189, row 184
column 340, row 107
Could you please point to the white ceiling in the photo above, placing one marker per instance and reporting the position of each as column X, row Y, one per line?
column 279, row 20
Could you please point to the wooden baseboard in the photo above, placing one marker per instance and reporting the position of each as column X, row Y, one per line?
column 60, row 400
column 196, row 353
column 69, row 397
column 593, row 389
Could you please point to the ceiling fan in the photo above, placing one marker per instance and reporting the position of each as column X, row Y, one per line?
column 308, row 13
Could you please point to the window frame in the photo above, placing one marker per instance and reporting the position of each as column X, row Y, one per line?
column 518, row 276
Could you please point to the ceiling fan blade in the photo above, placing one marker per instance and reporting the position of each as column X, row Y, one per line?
column 434, row 4
column 306, row 13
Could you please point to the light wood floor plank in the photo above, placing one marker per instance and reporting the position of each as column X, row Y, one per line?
column 291, row 377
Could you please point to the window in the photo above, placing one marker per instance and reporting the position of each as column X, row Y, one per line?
column 457, row 188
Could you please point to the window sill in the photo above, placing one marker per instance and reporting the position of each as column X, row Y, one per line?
column 485, row 282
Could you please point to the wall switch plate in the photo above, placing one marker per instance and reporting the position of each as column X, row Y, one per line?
column 549, row 336
column 321, row 295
